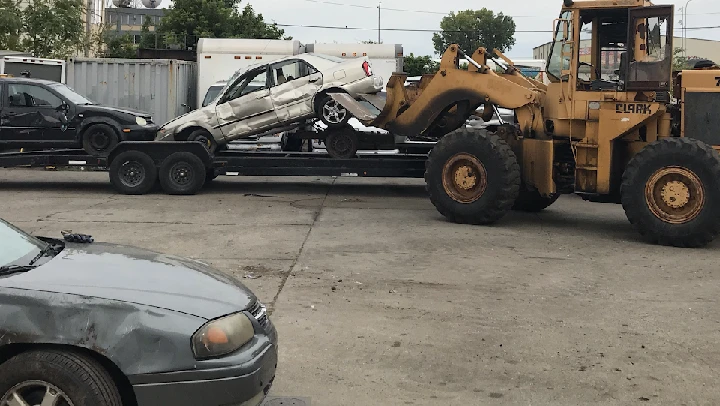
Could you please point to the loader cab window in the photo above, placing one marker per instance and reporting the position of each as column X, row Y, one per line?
column 558, row 59
column 603, row 42
column 649, row 63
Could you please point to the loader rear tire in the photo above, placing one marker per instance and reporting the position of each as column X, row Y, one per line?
column 472, row 177
column 532, row 201
column 671, row 192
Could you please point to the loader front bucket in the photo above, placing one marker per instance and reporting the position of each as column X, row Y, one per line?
column 358, row 109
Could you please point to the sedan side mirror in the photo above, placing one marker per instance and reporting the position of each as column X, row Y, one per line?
column 63, row 107
column 315, row 77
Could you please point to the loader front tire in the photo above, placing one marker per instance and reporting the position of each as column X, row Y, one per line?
column 671, row 192
column 472, row 177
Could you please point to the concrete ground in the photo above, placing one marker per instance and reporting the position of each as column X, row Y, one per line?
column 379, row 301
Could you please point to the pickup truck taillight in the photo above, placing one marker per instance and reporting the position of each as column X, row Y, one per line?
column 367, row 68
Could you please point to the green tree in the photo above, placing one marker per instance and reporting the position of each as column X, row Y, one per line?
column 11, row 23
column 119, row 46
column 472, row 29
column 53, row 28
column 420, row 65
column 680, row 61
column 147, row 39
column 189, row 20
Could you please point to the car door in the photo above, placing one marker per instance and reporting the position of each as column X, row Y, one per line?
column 295, row 84
column 246, row 108
column 34, row 115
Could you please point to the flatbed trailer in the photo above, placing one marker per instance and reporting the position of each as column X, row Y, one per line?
column 183, row 168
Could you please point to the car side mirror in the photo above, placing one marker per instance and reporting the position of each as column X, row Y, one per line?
column 63, row 107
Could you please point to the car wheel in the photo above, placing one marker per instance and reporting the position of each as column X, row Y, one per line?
column 99, row 140
column 133, row 173
column 205, row 138
column 182, row 173
column 332, row 113
column 52, row 377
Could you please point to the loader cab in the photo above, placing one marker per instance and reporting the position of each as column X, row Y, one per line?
column 613, row 49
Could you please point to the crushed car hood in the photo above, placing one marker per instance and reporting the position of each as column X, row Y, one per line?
column 134, row 275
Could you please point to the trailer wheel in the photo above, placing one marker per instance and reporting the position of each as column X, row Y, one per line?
column 133, row 173
column 182, row 173
column 52, row 377
column 472, row 177
column 671, row 192
column 99, row 140
column 332, row 113
column 532, row 201
column 342, row 144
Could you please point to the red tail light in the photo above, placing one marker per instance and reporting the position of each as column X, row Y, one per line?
column 367, row 68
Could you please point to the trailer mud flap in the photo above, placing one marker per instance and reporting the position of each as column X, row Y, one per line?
column 355, row 108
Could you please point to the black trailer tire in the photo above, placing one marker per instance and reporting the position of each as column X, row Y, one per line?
column 38, row 375
column 182, row 173
column 332, row 113
column 472, row 177
column 342, row 144
column 133, row 173
column 671, row 192
column 532, row 201
column 99, row 140
column 205, row 138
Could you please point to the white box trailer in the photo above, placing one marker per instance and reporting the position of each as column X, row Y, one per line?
column 385, row 59
column 219, row 58
column 36, row 68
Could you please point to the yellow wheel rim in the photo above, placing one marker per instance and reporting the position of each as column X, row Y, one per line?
column 464, row 178
column 675, row 195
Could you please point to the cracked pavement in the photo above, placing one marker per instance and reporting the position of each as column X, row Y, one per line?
column 379, row 300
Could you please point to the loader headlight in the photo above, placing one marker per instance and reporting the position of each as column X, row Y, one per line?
column 222, row 336
column 140, row 121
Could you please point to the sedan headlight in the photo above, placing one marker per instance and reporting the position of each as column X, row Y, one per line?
column 222, row 336
column 140, row 121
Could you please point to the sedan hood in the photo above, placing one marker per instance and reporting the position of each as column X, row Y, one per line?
column 129, row 274
column 133, row 112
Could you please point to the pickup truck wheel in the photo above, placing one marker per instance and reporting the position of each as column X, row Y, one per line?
column 133, row 173
column 53, row 377
column 99, row 140
column 182, row 173
column 205, row 138
column 332, row 113
column 472, row 177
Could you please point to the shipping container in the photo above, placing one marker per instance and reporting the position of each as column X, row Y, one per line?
column 166, row 88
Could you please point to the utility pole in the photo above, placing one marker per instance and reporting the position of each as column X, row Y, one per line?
column 379, row 5
column 88, row 21
column 685, row 25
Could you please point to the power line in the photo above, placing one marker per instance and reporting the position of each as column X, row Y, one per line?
column 347, row 28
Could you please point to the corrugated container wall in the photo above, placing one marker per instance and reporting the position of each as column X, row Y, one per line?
column 163, row 87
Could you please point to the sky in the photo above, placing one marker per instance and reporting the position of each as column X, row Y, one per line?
column 530, row 15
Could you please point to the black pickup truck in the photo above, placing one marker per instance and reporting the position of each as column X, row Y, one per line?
column 41, row 114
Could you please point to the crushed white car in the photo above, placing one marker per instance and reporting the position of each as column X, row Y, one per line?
column 273, row 96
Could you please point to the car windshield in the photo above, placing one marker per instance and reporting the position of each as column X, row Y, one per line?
column 17, row 247
column 212, row 94
column 71, row 94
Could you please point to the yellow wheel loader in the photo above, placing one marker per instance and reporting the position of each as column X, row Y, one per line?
column 610, row 126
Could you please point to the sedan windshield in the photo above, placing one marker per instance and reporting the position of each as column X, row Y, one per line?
column 17, row 248
column 71, row 95
column 212, row 94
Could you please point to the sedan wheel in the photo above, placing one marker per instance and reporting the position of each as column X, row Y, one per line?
column 36, row 393
column 332, row 113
